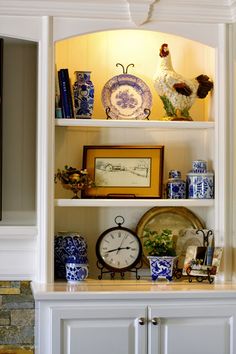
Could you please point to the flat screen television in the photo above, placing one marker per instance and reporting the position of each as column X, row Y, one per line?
column 1, row 94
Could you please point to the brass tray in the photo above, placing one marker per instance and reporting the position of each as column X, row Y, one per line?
column 177, row 219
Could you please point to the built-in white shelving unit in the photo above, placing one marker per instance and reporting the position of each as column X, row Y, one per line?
column 95, row 35
column 196, row 48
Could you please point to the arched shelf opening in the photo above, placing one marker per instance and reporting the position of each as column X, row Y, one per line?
column 100, row 51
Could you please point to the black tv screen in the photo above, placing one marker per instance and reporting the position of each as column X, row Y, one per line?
column 1, row 94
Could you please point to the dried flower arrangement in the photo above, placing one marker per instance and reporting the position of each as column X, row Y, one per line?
column 74, row 179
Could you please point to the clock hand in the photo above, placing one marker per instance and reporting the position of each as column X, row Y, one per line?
column 119, row 248
column 120, row 245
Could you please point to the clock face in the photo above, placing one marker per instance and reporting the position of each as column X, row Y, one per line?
column 118, row 249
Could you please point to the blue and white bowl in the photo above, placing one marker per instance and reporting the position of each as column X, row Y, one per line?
column 76, row 272
column 200, row 185
column 68, row 245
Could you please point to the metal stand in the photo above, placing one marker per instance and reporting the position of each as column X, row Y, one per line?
column 205, row 236
column 200, row 278
column 122, row 273
column 146, row 111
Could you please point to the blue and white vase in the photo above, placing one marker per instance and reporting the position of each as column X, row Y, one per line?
column 200, row 185
column 83, row 89
column 162, row 267
column 175, row 187
column 67, row 247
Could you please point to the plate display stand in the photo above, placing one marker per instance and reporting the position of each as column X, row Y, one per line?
column 146, row 113
column 200, row 278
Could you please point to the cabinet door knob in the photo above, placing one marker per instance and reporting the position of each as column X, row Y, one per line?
column 155, row 321
column 141, row 321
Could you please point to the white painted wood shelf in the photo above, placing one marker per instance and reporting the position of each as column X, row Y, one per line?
column 133, row 202
column 154, row 124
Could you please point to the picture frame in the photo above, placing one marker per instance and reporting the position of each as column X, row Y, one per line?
column 124, row 171
column 201, row 261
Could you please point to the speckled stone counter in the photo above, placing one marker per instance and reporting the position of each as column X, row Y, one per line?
column 16, row 318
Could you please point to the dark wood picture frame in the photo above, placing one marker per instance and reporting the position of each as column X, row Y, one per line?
column 124, row 171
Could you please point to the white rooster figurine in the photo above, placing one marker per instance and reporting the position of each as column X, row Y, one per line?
column 176, row 92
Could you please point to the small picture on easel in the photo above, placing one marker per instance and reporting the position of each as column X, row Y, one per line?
column 199, row 261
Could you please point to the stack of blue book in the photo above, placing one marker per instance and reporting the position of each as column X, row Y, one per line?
column 65, row 94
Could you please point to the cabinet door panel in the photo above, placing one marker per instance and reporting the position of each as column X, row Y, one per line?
column 192, row 330
column 100, row 331
column 195, row 335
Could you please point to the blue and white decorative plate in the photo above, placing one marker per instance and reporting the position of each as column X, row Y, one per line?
column 127, row 97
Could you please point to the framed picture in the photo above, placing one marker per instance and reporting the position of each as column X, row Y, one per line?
column 121, row 171
column 200, row 260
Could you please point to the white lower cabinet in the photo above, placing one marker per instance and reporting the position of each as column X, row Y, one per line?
column 137, row 327
column 100, row 330
column 196, row 329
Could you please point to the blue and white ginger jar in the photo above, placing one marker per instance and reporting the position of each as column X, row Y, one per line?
column 67, row 247
column 83, row 89
column 175, row 187
column 200, row 185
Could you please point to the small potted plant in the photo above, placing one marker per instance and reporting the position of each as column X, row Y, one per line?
column 161, row 253
column 74, row 179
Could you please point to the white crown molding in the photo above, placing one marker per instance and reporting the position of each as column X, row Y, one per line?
column 140, row 10
column 209, row 11
column 103, row 9
column 137, row 11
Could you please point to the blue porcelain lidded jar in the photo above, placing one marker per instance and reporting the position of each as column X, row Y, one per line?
column 200, row 181
column 83, row 89
column 175, row 187
column 200, row 185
